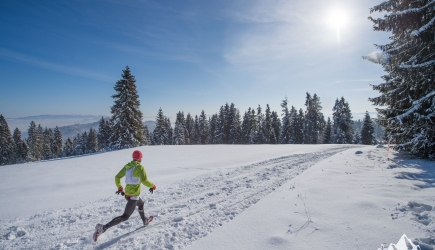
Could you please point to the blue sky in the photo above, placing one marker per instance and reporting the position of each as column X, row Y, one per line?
column 64, row 57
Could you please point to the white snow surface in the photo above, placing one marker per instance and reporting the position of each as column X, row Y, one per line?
column 225, row 197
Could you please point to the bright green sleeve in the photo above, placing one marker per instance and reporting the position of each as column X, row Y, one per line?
column 118, row 177
column 144, row 179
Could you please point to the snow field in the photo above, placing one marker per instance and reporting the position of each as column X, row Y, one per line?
column 235, row 197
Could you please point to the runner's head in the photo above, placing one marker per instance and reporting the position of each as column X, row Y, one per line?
column 137, row 155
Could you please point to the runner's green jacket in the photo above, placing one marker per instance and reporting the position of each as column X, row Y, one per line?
column 134, row 174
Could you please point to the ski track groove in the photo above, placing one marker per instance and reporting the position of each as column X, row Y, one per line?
column 183, row 213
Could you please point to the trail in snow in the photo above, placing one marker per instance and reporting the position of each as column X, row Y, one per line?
column 183, row 213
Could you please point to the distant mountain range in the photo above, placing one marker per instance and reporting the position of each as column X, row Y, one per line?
column 69, row 125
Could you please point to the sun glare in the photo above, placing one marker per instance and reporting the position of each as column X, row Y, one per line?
column 337, row 19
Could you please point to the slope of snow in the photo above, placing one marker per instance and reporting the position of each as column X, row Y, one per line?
column 225, row 197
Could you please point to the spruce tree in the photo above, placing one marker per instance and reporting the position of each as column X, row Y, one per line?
column 299, row 131
column 342, row 128
column 246, row 127
column 189, row 123
column 220, row 126
column 285, row 130
column 234, row 125
column 212, row 129
column 103, row 134
column 327, row 138
column 147, row 135
column 7, row 145
column 407, row 96
column 314, row 120
column 276, row 126
column 367, row 130
column 269, row 133
column 68, row 148
column 179, row 136
column 48, row 135
column 195, row 132
column 35, row 141
column 260, row 134
column 169, row 131
column 127, row 128
column 21, row 149
column 57, row 143
column 203, row 128
column 159, row 133
column 293, row 126
column 92, row 141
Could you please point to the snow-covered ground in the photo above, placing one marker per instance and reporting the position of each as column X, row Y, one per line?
column 225, row 197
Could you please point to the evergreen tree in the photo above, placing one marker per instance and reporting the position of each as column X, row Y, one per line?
column 327, row 139
column 179, row 137
column 35, row 141
column 189, row 128
column 234, row 125
column 159, row 133
column 269, row 133
column 21, row 149
column 57, row 143
column 259, row 134
column 7, row 145
column 82, row 146
column 195, row 132
column 169, row 130
column 221, row 122
column 147, row 136
column 103, row 134
column 92, row 141
column 342, row 128
column 314, row 120
column 357, row 137
column 76, row 145
column 276, row 126
column 48, row 135
column 285, row 130
column 293, row 126
column 127, row 128
column 212, row 129
column 203, row 128
column 367, row 130
column 407, row 97
column 299, row 136
column 68, row 148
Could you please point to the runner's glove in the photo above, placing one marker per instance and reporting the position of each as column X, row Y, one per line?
column 152, row 189
column 120, row 191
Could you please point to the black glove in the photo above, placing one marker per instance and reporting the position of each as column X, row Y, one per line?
column 120, row 191
column 152, row 189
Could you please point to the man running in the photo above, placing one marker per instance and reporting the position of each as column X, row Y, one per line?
column 134, row 174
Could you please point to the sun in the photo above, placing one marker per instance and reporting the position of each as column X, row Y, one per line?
column 337, row 18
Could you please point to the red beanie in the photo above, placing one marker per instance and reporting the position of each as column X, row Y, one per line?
column 137, row 155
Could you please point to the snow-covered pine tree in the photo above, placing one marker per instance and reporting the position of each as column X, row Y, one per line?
column 76, row 145
column 285, row 129
column 35, row 141
column 342, row 127
column 367, row 130
column 103, row 134
column 407, row 97
column 234, row 125
column 179, row 137
column 259, row 135
column 212, row 129
column 357, row 137
column 269, row 133
column 195, row 132
column 203, row 128
column 21, row 148
column 127, row 127
column 314, row 120
column 7, row 145
column 92, row 141
column 293, row 126
column 327, row 138
column 299, row 136
column 48, row 135
column 68, row 148
column 159, row 133
column 57, row 143
column 246, row 127
column 189, row 123
column 276, row 125
column 169, row 130
column 221, row 121
column 147, row 135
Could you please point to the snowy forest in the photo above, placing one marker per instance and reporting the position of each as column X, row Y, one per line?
column 125, row 128
column 406, row 108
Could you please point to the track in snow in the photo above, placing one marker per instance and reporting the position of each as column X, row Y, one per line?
column 183, row 213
